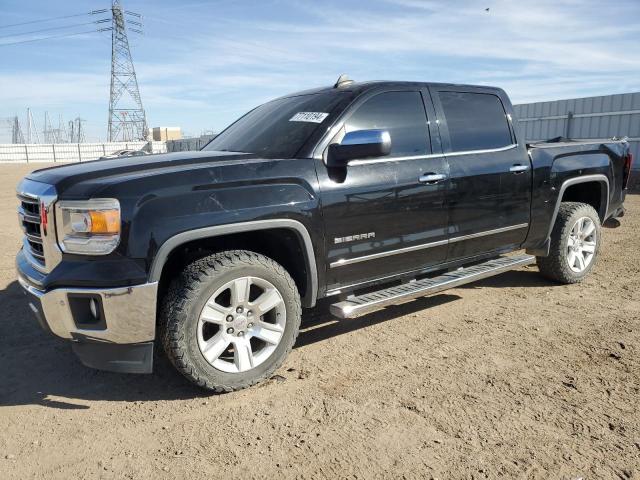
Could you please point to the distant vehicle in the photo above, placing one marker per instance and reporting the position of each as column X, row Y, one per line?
column 366, row 193
column 125, row 153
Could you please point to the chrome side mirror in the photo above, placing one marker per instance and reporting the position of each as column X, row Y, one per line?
column 359, row 144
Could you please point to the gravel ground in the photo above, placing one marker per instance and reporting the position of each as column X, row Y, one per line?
column 510, row 377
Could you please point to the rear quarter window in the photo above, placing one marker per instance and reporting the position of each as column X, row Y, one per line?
column 476, row 121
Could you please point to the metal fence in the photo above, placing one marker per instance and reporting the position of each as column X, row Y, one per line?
column 70, row 152
column 189, row 144
column 584, row 118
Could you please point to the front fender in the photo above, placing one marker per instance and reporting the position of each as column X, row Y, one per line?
column 157, row 218
column 163, row 210
column 208, row 232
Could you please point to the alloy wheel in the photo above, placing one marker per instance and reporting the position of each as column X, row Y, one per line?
column 581, row 244
column 241, row 324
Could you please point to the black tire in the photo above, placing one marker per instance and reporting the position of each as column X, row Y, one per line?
column 186, row 298
column 556, row 265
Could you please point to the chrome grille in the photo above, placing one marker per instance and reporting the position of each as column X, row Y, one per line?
column 29, row 213
column 39, row 246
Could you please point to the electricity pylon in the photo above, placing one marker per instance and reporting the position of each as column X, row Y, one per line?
column 127, row 120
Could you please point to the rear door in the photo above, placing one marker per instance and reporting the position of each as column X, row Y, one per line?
column 490, row 174
column 380, row 220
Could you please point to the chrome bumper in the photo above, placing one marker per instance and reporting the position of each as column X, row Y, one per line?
column 129, row 312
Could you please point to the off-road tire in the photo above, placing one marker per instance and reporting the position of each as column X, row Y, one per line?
column 187, row 295
column 555, row 266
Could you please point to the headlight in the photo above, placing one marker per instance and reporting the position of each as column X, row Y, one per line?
column 88, row 227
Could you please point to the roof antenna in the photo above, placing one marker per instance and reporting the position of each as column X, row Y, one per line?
column 343, row 80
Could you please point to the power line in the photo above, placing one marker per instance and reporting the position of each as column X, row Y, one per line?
column 54, row 36
column 55, row 28
column 93, row 12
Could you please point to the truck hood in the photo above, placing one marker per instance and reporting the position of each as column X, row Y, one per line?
column 119, row 169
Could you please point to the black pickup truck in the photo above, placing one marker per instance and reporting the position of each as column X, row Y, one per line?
column 367, row 193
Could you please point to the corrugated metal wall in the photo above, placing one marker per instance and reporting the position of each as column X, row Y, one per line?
column 583, row 118
column 188, row 144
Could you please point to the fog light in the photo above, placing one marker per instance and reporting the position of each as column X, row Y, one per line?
column 87, row 311
column 93, row 307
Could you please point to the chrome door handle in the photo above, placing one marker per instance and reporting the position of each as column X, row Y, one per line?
column 519, row 168
column 432, row 178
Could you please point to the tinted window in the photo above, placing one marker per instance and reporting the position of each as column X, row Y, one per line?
column 476, row 121
column 279, row 129
column 401, row 114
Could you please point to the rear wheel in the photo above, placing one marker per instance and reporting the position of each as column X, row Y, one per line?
column 230, row 320
column 575, row 242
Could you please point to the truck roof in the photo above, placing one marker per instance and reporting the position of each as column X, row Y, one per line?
column 360, row 87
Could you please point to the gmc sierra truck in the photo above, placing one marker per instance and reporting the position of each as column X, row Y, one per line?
column 367, row 193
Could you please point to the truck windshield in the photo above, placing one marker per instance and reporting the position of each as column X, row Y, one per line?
column 279, row 129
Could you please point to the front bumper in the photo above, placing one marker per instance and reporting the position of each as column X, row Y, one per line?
column 121, row 336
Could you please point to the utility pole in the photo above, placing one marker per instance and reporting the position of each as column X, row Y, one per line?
column 76, row 131
column 127, row 119
column 32, row 131
column 16, row 131
column 62, row 132
column 80, row 133
column 48, row 133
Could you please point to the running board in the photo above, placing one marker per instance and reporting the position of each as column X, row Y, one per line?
column 355, row 306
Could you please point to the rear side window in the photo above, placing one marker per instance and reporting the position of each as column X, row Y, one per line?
column 402, row 115
column 476, row 121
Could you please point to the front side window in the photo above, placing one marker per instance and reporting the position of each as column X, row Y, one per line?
column 402, row 115
column 476, row 121
column 280, row 128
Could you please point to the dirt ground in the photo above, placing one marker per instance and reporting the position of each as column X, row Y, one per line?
column 513, row 377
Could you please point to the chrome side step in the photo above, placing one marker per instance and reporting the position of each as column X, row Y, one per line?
column 356, row 306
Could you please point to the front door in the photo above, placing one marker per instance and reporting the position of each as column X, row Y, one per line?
column 490, row 174
column 380, row 220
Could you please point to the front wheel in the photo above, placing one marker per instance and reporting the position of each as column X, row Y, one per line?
column 575, row 242
column 230, row 320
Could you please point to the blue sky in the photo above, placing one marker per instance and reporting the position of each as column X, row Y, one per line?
column 201, row 64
